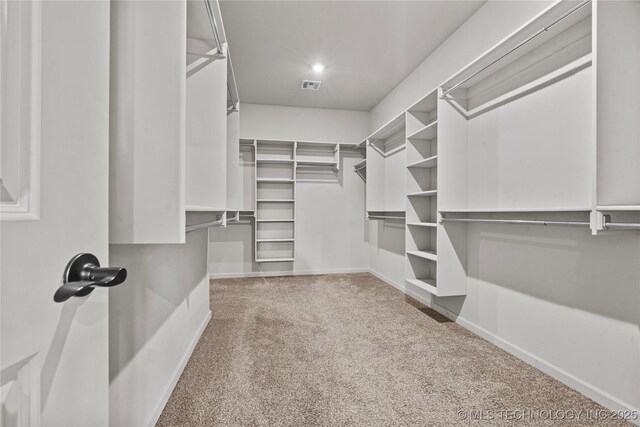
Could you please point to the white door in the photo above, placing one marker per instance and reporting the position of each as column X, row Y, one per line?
column 55, row 151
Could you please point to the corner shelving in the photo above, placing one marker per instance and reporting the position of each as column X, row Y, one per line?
column 275, row 188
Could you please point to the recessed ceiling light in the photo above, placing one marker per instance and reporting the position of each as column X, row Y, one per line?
column 318, row 68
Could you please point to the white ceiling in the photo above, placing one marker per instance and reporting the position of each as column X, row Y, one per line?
column 367, row 47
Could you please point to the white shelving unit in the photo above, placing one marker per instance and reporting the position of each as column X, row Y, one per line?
column 317, row 161
column 425, row 238
column 275, row 189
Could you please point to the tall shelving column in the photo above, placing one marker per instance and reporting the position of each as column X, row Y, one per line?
column 422, row 191
column 275, row 189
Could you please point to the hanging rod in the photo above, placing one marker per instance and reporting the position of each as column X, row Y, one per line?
column 216, row 36
column 401, row 218
column 214, row 27
column 518, row 46
column 194, row 227
column 519, row 221
column 608, row 225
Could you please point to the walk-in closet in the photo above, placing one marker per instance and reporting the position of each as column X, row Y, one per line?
column 320, row 213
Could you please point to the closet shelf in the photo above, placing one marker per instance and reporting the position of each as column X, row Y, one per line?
column 428, row 285
column 428, row 132
column 275, row 161
column 428, row 193
column 275, row 220
column 427, row 163
column 430, row 255
column 423, row 224
column 275, row 200
column 275, row 259
column 517, row 210
column 274, row 180
column 316, row 163
column 194, row 208
column 274, row 240
column 360, row 164
column 618, row 208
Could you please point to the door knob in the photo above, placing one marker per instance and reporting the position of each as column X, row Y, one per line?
column 83, row 273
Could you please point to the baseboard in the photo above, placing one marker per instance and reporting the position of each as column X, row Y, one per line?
column 594, row 393
column 600, row 396
column 178, row 372
column 286, row 273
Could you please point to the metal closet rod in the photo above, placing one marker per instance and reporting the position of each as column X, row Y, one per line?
column 518, row 46
column 619, row 225
column 216, row 37
column 194, row 227
column 401, row 218
column 519, row 221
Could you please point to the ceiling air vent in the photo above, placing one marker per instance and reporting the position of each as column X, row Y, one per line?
column 310, row 85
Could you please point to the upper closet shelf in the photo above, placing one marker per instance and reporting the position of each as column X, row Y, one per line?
column 619, row 208
column 392, row 127
column 551, row 22
column 191, row 208
column 516, row 210
column 428, row 132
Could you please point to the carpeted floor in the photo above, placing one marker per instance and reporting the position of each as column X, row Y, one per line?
column 351, row 350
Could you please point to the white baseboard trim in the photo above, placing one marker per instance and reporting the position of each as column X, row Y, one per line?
column 594, row 393
column 285, row 273
column 178, row 372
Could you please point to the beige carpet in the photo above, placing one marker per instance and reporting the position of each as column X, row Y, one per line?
column 351, row 350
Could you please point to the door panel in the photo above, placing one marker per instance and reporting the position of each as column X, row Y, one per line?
column 54, row 357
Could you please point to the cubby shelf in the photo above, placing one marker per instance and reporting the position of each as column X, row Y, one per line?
column 430, row 255
column 275, row 200
column 428, row 285
column 428, row 193
column 428, row 132
column 430, row 162
column 276, row 220
column 422, row 224
column 275, row 259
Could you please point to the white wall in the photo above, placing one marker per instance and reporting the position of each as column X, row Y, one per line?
column 563, row 300
column 206, row 133
column 155, row 320
column 330, row 225
column 147, row 122
column 312, row 124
